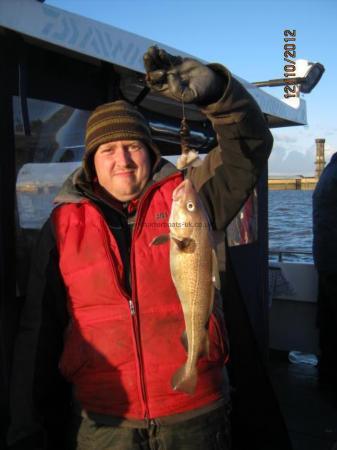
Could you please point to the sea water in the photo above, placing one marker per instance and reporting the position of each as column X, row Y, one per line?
column 290, row 224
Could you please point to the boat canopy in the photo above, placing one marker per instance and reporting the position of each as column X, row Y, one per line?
column 100, row 43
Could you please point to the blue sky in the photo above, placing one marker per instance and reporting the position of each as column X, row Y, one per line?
column 247, row 37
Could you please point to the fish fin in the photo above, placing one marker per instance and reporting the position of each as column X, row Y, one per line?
column 161, row 239
column 215, row 270
column 183, row 244
column 185, row 382
column 184, row 340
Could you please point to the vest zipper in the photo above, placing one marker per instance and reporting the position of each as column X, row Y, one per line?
column 132, row 308
column 135, row 326
column 137, row 343
column 137, row 335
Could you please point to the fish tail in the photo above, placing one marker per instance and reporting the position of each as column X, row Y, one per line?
column 184, row 380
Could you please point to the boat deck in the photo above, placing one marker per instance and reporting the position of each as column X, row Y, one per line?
column 310, row 412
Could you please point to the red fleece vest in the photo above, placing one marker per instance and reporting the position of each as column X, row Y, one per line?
column 120, row 353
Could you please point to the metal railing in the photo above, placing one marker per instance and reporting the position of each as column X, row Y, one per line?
column 280, row 253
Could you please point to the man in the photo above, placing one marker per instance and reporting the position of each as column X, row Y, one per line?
column 325, row 258
column 97, row 281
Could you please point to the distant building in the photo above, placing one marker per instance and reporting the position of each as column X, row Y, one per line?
column 320, row 158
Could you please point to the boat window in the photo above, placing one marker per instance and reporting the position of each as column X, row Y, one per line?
column 47, row 152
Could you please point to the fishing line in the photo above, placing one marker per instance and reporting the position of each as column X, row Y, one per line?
column 184, row 129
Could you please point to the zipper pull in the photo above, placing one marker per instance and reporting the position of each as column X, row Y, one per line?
column 132, row 308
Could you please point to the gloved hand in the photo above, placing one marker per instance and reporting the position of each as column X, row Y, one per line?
column 174, row 76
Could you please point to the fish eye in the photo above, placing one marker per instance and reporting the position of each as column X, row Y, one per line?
column 190, row 206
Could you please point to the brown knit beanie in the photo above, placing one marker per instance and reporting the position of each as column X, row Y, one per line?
column 115, row 121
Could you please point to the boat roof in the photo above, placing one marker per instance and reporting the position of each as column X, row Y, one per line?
column 82, row 36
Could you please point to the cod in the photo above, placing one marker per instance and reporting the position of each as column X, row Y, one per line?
column 194, row 272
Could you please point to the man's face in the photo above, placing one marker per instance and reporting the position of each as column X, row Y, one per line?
column 123, row 168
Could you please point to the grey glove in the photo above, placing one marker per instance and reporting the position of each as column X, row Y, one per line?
column 174, row 76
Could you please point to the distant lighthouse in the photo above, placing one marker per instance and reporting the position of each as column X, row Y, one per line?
column 320, row 160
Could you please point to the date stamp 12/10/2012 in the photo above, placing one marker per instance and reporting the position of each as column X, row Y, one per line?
column 289, row 54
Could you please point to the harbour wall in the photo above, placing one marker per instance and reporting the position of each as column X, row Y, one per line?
column 300, row 183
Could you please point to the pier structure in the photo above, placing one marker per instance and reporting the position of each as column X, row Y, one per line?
column 292, row 183
column 300, row 182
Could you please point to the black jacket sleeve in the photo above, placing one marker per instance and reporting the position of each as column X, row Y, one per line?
column 230, row 171
column 39, row 397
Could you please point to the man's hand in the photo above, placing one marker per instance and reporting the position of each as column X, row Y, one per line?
column 182, row 78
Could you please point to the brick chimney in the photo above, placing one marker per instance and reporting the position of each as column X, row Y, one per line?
column 320, row 159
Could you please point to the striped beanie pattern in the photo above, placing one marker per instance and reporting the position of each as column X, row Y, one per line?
column 115, row 121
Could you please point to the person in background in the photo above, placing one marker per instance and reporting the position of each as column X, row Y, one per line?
column 325, row 259
column 102, row 312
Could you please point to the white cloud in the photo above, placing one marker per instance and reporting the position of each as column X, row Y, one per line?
column 284, row 138
column 291, row 161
